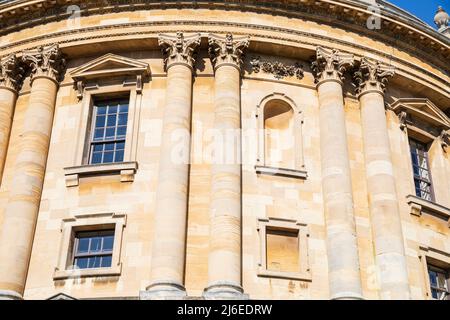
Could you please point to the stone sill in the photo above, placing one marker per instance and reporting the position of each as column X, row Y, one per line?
column 127, row 170
column 87, row 273
column 290, row 173
column 419, row 206
column 300, row 276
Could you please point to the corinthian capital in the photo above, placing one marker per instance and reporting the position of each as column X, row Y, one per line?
column 227, row 50
column 331, row 64
column 11, row 73
column 372, row 76
column 179, row 49
column 45, row 62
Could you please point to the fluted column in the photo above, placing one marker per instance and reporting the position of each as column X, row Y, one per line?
column 169, row 243
column 371, row 79
column 11, row 76
column 342, row 248
column 20, row 215
column 224, row 263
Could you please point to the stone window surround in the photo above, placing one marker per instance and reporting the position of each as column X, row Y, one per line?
column 434, row 256
column 128, row 167
column 304, row 274
column 420, row 206
column 261, row 167
column 87, row 222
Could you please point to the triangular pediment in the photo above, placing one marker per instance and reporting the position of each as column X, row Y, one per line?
column 61, row 296
column 424, row 110
column 110, row 65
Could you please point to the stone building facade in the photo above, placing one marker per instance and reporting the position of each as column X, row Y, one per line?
column 295, row 149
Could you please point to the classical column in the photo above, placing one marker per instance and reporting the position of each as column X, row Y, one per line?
column 11, row 76
column 224, row 264
column 342, row 247
column 169, row 244
column 20, row 215
column 371, row 79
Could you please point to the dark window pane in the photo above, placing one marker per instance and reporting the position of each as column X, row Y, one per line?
column 120, row 146
column 98, row 134
column 119, row 156
column 109, row 146
column 121, row 131
column 83, row 245
column 100, row 122
column 106, row 261
column 123, row 108
column 96, row 244
column 112, row 109
column 123, row 118
column 111, row 121
column 81, row 263
column 98, row 148
column 96, row 158
column 94, row 262
column 108, row 157
column 110, row 132
column 108, row 243
column 101, row 110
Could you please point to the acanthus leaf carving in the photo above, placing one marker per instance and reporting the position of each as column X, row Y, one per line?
column 331, row 64
column 12, row 73
column 46, row 62
column 278, row 69
column 179, row 49
column 372, row 75
column 228, row 50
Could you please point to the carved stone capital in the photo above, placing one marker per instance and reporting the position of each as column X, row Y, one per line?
column 227, row 50
column 372, row 76
column 179, row 49
column 45, row 62
column 331, row 65
column 11, row 73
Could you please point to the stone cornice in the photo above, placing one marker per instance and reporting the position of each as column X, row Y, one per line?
column 372, row 75
column 179, row 49
column 47, row 62
column 227, row 50
column 11, row 73
column 330, row 65
column 398, row 28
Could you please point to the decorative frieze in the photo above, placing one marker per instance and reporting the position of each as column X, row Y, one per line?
column 228, row 50
column 46, row 62
column 278, row 69
column 11, row 73
column 372, row 76
column 331, row 64
column 179, row 49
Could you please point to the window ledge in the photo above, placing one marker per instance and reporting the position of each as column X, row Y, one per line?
column 290, row 173
column 419, row 206
column 127, row 170
column 305, row 276
column 87, row 273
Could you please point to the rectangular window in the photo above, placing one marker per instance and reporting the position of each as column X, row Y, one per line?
column 93, row 249
column 109, row 129
column 282, row 250
column 421, row 169
column 439, row 283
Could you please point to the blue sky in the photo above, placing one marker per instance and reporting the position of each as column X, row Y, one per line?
column 423, row 9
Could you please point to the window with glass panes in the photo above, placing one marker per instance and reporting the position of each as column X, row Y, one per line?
column 93, row 249
column 109, row 130
column 439, row 283
column 421, row 169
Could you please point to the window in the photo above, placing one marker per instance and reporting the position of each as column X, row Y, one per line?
column 109, row 131
column 282, row 250
column 93, row 249
column 439, row 283
column 421, row 169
